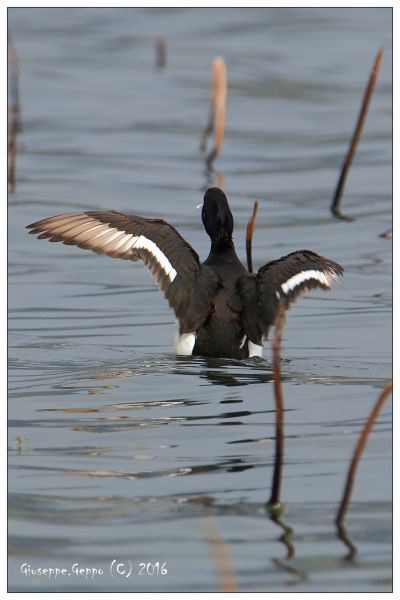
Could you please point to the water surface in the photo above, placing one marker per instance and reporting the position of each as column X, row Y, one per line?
column 120, row 450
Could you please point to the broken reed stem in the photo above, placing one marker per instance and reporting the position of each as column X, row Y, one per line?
column 249, row 237
column 220, row 90
column 14, row 71
column 343, row 536
column 161, row 53
column 335, row 206
column 219, row 551
column 357, row 454
column 13, row 114
column 274, row 501
column 12, row 152
column 216, row 118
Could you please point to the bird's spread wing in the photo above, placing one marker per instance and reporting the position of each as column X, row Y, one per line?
column 285, row 278
column 298, row 272
column 171, row 260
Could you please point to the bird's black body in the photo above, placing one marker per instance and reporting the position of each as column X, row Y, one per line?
column 221, row 332
column 222, row 309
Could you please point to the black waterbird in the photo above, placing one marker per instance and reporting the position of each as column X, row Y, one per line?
column 222, row 310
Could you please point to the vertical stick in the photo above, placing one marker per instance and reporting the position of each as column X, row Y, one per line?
column 249, row 237
column 161, row 53
column 227, row 582
column 13, row 114
column 356, row 136
column 357, row 454
column 216, row 118
column 220, row 86
column 12, row 152
column 274, row 501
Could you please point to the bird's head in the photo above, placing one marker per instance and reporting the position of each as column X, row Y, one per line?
column 217, row 217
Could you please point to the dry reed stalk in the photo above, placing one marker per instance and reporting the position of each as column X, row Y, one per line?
column 12, row 153
column 343, row 535
column 14, row 68
column 249, row 237
column 216, row 119
column 335, row 206
column 13, row 114
column 161, row 53
column 274, row 504
column 357, row 454
column 219, row 551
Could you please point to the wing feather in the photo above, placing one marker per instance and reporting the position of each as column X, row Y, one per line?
column 298, row 272
column 187, row 285
column 285, row 278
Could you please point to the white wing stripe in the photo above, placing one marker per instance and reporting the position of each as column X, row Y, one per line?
column 143, row 243
column 102, row 237
column 299, row 278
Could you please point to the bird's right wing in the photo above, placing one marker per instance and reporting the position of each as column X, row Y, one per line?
column 188, row 286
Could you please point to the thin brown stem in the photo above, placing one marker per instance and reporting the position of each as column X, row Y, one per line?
column 335, row 206
column 343, row 535
column 13, row 114
column 12, row 152
column 13, row 63
column 216, row 118
column 219, row 551
column 161, row 47
column 357, row 454
column 249, row 237
column 274, row 501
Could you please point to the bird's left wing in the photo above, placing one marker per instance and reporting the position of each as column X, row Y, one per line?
column 283, row 279
column 298, row 272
